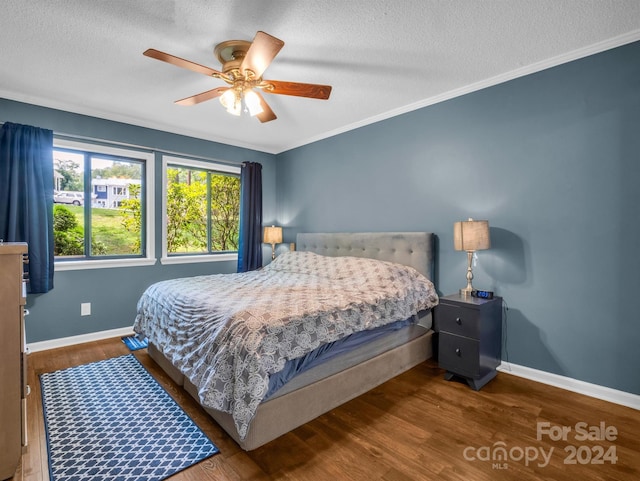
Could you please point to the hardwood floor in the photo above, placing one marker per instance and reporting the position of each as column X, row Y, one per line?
column 414, row 427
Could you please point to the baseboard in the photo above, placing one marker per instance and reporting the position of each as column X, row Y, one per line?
column 70, row 341
column 593, row 390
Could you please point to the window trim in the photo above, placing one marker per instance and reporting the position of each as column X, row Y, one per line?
column 197, row 164
column 149, row 163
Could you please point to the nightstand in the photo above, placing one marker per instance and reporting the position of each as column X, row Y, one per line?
column 469, row 337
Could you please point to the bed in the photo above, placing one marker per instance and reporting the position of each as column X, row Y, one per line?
column 248, row 397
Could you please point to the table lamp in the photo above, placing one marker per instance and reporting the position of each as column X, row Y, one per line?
column 273, row 236
column 471, row 236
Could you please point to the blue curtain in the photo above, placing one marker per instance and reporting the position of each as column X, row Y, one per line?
column 26, row 197
column 250, row 243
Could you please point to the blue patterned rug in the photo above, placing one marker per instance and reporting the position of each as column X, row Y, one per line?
column 111, row 420
column 134, row 343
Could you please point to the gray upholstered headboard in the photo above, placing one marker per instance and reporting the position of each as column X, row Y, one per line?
column 415, row 249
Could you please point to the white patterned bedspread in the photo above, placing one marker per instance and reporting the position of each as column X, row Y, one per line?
column 228, row 332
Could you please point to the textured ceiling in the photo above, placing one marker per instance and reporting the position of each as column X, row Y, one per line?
column 382, row 58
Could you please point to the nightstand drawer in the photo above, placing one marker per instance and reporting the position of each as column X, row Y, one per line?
column 458, row 320
column 459, row 354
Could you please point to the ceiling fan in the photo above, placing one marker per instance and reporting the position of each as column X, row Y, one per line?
column 243, row 64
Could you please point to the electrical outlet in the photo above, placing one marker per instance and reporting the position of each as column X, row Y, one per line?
column 85, row 309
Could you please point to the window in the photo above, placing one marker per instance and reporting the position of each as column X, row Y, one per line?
column 201, row 206
column 103, row 206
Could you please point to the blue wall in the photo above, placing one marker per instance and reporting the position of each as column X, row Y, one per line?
column 114, row 292
column 552, row 160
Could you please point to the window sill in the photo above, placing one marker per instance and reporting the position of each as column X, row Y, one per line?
column 102, row 264
column 199, row 258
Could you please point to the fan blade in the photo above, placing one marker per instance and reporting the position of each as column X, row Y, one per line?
column 313, row 91
column 262, row 51
column 208, row 95
column 180, row 62
column 267, row 114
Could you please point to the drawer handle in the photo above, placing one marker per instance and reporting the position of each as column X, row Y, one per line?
column 458, row 321
column 458, row 352
column 26, row 312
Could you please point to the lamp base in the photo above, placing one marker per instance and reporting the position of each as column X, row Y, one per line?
column 466, row 292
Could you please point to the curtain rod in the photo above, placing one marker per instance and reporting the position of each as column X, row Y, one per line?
column 140, row 147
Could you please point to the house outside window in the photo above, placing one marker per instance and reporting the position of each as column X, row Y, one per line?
column 201, row 210
column 110, row 192
column 93, row 227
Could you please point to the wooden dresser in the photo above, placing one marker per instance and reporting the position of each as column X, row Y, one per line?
column 13, row 385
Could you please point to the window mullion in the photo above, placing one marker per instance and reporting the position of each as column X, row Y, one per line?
column 86, row 209
column 209, row 246
column 143, row 213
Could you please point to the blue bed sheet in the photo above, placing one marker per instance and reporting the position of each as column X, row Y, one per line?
column 328, row 351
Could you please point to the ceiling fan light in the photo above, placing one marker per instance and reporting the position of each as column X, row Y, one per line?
column 252, row 101
column 235, row 110
column 227, row 98
column 231, row 102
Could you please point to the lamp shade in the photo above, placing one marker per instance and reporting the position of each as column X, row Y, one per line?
column 231, row 101
column 252, row 101
column 471, row 235
column 273, row 235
